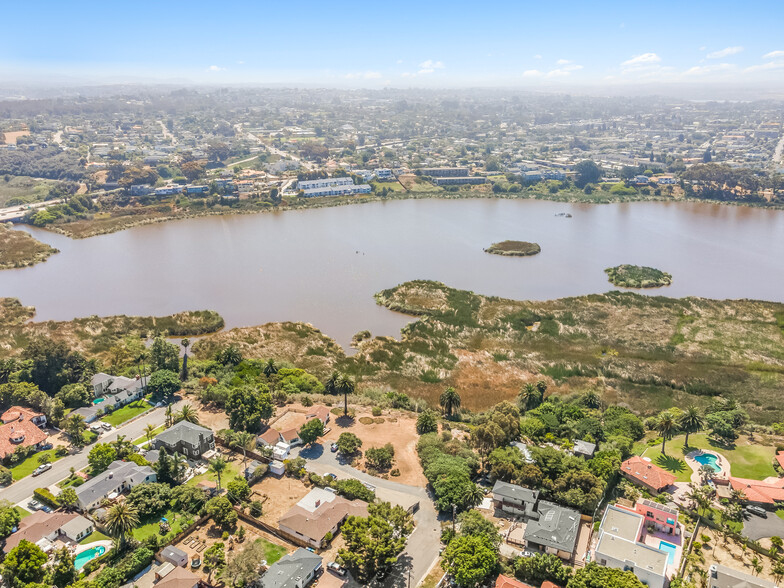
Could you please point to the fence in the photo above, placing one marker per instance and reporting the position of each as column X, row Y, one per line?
column 248, row 452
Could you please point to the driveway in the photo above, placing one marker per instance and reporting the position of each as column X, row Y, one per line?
column 61, row 469
column 423, row 544
column 756, row 527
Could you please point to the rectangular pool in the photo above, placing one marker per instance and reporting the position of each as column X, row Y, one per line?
column 670, row 549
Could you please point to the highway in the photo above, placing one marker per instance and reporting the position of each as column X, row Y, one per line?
column 61, row 469
column 17, row 212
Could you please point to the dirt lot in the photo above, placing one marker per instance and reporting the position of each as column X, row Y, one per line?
column 731, row 555
column 281, row 494
column 393, row 426
column 212, row 418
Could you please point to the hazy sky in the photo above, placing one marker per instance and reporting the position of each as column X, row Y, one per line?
column 377, row 44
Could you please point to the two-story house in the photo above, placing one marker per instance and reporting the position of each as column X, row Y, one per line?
column 186, row 438
column 121, row 476
column 514, row 500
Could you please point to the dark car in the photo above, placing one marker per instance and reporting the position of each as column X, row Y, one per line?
column 757, row 510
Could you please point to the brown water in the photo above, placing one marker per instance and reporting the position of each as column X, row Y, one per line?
column 323, row 266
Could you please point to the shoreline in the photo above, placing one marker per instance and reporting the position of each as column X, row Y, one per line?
column 350, row 201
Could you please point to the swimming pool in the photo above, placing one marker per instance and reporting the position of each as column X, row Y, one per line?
column 98, row 400
column 82, row 558
column 708, row 459
column 670, row 549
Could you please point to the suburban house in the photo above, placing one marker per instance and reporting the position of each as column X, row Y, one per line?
column 121, row 476
column 659, row 516
column 20, row 433
column 178, row 578
column 273, row 438
column 758, row 492
column 185, row 438
column 22, row 413
column 295, row 570
column 88, row 413
column 319, row 412
column 321, row 511
column 507, row 582
column 113, row 392
column 332, row 187
column 43, row 529
column 646, row 474
column 514, row 500
column 584, row 449
column 553, row 529
column 619, row 547
column 269, row 438
column 720, row 576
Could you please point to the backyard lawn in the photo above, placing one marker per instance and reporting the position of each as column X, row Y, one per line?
column 127, row 412
column 26, row 468
column 22, row 512
column 151, row 526
column 232, row 471
column 94, row 536
column 747, row 460
column 272, row 552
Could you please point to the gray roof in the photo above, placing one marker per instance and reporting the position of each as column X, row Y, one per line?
column 75, row 526
column 505, row 490
column 100, row 378
column 87, row 412
column 556, row 527
column 584, row 447
column 287, row 570
column 173, row 552
column 105, row 483
column 724, row 577
column 184, row 431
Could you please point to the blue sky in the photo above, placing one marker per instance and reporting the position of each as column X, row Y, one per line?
column 377, row 44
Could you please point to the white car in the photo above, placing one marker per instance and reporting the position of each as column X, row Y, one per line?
column 337, row 568
column 106, row 426
column 42, row 468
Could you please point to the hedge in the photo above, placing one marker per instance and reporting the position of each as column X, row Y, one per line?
column 43, row 495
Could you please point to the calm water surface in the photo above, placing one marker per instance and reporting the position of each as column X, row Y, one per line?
column 323, row 266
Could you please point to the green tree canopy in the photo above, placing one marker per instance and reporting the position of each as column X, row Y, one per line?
column 470, row 560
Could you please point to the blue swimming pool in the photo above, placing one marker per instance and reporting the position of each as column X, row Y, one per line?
column 708, row 459
column 82, row 558
column 670, row 549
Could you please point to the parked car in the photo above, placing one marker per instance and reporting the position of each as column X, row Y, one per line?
column 45, row 508
column 46, row 446
column 106, row 426
column 370, row 487
column 331, row 475
column 333, row 448
column 757, row 510
column 526, row 554
column 34, row 505
column 95, row 428
column 337, row 568
column 42, row 468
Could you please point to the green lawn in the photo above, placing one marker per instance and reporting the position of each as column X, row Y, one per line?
column 143, row 438
column 232, row 471
column 126, row 413
column 747, row 460
column 272, row 552
column 94, row 536
column 22, row 512
column 26, row 468
column 151, row 526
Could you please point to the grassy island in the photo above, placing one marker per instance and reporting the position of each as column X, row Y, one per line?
column 19, row 249
column 514, row 248
column 637, row 276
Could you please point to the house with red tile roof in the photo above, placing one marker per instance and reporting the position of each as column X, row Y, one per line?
column 780, row 458
column 507, row 582
column 19, row 433
column 760, row 492
column 646, row 474
column 319, row 412
column 21, row 413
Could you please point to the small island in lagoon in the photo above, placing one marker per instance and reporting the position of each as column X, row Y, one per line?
column 514, row 248
column 637, row 276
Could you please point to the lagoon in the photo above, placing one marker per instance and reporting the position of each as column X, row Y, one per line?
column 323, row 265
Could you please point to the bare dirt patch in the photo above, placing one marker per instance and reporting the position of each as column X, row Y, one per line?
column 279, row 495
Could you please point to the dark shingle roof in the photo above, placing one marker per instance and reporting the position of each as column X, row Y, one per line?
column 505, row 490
column 556, row 527
column 287, row 570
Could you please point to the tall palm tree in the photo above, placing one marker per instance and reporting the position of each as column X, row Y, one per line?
column 184, row 373
column 141, row 357
column 149, row 431
column 331, row 385
column 691, row 421
column 527, row 395
column 188, row 413
column 179, row 466
column 666, row 426
column 169, row 416
column 217, row 467
column 244, row 440
column 345, row 386
column 121, row 519
column 449, row 401
column 592, row 399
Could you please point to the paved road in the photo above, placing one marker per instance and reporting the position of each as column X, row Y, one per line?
column 756, row 527
column 61, row 469
column 15, row 212
column 423, row 544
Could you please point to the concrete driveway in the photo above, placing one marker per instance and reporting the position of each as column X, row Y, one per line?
column 756, row 527
column 423, row 544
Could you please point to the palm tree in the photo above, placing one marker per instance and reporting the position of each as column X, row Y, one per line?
column 243, row 440
column 449, row 401
column 140, row 359
column 666, row 427
column 188, row 414
column 778, row 571
column 149, row 430
column 169, row 416
column 121, row 519
column 691, row 421
column 184, row 373
column 331, row 385
column 345, row 386
column 474, row 495
column 706, row 473
column 179, row 466
column 217, row 467
column 737, row 496
column 592, row 399
column 528, row 397
column 270, row 368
